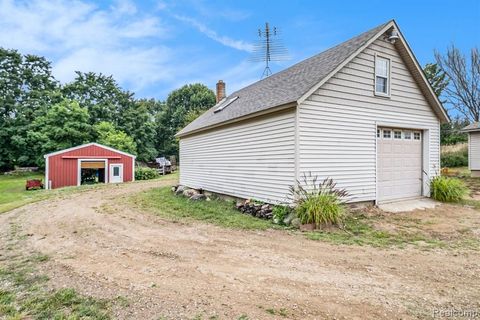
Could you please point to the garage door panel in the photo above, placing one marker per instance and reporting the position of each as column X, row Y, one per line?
column 399, row 166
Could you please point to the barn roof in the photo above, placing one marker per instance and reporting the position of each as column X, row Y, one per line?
column 87, row 145
column 292, row 84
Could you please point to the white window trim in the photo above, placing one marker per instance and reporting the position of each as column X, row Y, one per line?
column 389, row 79
column 79, row 169
column 405, row 136
column 397, row 132
column 391, row 134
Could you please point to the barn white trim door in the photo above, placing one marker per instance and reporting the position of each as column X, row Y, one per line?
column 116, row 172
column 400, row 160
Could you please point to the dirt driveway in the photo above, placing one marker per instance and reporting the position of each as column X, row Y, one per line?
column 169, row 270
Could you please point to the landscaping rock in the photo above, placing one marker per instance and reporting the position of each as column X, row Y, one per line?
column 296, row 223
column 259, row 210
column 179, row 190
column 190, row 192
column 289, row 218
column 198, row 197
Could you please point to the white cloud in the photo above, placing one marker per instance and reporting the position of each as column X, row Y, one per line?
column 226, row 41
column 120, row 40
column 81, row 36
column 124, row 7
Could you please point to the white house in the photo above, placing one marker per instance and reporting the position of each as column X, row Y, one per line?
column 473, row 131
column 361, row 113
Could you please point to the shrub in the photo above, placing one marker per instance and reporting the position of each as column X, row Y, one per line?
column 454, row 156
column 454, row 159
column 142, row 173
column 280, row 213
column 447, row 189
column 318, row 203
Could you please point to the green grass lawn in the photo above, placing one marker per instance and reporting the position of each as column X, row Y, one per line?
column 357, row 228
column 162, row 202
column 13, row 193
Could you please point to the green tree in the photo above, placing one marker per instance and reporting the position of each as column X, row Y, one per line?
column 27, row 89
column 64, row 125
column 111, row 137
column 138, row 121
column 438, row 79
column 100, row 95
column 181, row 107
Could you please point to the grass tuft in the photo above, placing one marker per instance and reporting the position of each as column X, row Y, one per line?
column 447, row 189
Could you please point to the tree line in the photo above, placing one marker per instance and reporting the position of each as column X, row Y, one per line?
column 39, row 115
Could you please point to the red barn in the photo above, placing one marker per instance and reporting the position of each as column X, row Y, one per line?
column 88, row 164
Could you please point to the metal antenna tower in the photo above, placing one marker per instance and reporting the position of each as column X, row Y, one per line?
column 269, row 48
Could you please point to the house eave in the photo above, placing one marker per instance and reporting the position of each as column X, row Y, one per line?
column 239, row 119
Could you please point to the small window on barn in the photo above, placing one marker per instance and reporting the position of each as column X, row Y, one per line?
column 387, row 134
column 397, row 134
column 407, row 135
column 382, row 76
column 378, row 133
column 416, row 135
column 116, row 171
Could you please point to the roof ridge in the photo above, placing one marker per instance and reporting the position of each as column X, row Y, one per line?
column 380, row 26
column 286, row 86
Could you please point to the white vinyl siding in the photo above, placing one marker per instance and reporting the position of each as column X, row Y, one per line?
column 474, row 151
column 250, row 159
column 338, row 123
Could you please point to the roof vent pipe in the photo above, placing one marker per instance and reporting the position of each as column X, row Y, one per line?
column 220, row 90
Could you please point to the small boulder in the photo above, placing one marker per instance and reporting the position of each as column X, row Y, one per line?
column 267, row 207
column 198, row 197
column 179, row 190
column 190, row 192
column 295, row 223
column 288, row 219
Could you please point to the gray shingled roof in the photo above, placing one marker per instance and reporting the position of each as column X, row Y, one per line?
column 283, row 87
column 472, row 127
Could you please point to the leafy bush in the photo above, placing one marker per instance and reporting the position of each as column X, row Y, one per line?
column 280, row 213
column 318, row 203
column 142, row 173
column 454, row 159
column 447, row 189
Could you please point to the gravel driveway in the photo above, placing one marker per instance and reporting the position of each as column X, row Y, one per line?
column 102, row 247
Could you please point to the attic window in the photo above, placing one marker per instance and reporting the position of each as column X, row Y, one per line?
column 382, row 76
column 225, row 104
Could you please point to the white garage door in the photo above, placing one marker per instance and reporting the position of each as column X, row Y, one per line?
column 399, row 164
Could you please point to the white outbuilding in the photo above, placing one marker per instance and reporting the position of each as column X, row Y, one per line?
column 362, row 113
column 473, row 131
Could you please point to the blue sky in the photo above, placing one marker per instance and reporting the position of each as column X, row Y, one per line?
column 152, row 47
